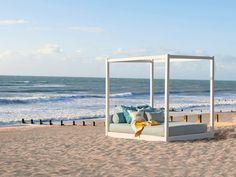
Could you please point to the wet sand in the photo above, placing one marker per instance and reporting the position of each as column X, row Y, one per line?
column 85, row 151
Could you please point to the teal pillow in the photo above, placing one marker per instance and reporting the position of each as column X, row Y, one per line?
column 126, row 110
column 143, row 106
column 118, row 118
column 157, row 116
column 146, row 108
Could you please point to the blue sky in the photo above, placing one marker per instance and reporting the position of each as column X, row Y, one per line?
column 73, row 37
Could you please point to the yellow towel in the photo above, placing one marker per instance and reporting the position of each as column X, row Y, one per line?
column 153, row 122
column 139, row 126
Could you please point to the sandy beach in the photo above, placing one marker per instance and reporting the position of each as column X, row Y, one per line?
column 85, row 151
column 109, row 88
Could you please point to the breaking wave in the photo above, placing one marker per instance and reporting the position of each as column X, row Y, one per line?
column 57, row 98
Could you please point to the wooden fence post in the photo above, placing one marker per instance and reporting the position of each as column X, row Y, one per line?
column 23, row 121
column 217, row 117
column 200, row 118
column 186, row 118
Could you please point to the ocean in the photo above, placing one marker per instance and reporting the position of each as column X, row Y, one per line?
column 74, row 98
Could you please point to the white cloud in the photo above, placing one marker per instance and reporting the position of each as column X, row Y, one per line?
column 225, row 62
column 200, row 52
column 91, row 29
column 37, row 28
column 101, row 58
column 5, row 54
column 132, row 52
column 50, row 49
column 78, row 52
column 119, row 51
column 13, row 22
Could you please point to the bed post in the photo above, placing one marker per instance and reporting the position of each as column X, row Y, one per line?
column 212, row 111
column 107, row 96
column 167, row 73
column 152, row 83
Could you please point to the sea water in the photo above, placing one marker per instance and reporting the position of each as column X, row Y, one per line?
column 73, row 98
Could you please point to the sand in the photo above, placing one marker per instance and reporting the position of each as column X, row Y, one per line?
column 85, row 151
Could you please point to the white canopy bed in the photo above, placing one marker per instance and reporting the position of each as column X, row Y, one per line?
column 168, row 129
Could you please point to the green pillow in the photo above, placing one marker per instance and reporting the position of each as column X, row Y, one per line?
column 126, row 110
column 118, row 118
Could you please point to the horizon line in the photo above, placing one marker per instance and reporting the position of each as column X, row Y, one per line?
column 111, row 77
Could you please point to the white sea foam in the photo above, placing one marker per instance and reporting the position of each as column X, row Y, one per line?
column 52, row 99
column 22, row 81
column 48, row 85
column 125, row 94
column 93, row 107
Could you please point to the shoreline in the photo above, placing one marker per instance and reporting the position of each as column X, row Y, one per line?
column 177, row 116
column 225, row 119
